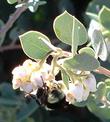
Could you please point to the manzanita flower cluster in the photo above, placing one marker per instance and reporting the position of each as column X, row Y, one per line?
column 29, row 76
column 32, row 75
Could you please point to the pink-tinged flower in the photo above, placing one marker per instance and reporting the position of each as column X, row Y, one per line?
column 91, row 83
column 37, row 79
column 27, row 87
column 85, row 94
column 76, row 90
column 19, row 76
column 40, row 76
column 20, row 73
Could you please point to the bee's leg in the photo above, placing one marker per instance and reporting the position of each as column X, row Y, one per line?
column 30, row 96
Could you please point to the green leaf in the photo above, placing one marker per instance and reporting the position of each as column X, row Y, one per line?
column 101, row 90
column 99, row 45
column 104, row 16
column 96, row 105
column 107, row 82
column 26, row 110
column 87, row 50
column 83, row 61
column 35, row 44
column 108, row 93
column 100, row 110
column 69, row 30
column 65, row 78
column 95, row 5
column 11, row 1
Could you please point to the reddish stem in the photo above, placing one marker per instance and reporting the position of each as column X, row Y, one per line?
column 102, row 70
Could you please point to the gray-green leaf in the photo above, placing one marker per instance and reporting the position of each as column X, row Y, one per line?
column 87, row 50
column 104, row 17
column 35, row 44
column 83, row 62
column 99, row 45
column 101, row 110
column 101, row 90
column 69, row 30
column 108, row 93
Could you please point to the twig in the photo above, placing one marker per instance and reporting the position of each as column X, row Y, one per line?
column 10, row 47
column 12, row 20
column 8, row 25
